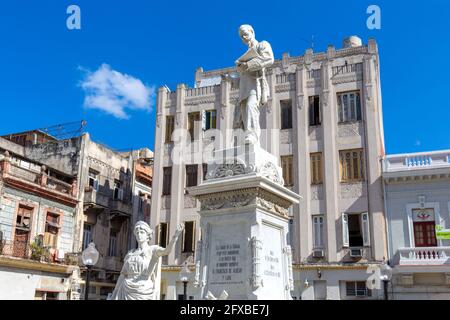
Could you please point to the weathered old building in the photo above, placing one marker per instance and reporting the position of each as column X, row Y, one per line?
column 324, row 122
column 37, row 222
column 111, row 192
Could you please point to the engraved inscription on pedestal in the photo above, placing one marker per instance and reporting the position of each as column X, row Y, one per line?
column 272, row 273
column 228, row 253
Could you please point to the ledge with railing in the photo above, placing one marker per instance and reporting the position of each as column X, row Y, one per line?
column 417, row 161
column 9, row 170
column 423, row 256
column 33, row 252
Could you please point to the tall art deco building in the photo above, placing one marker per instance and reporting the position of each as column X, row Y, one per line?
column 324, row 122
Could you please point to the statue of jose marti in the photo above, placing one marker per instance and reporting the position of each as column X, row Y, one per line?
column 138, row 278
column 253, row 87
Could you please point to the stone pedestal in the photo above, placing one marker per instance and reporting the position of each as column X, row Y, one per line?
column 244, row 227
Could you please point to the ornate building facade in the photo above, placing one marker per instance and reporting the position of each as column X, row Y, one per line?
column 417, row 193
column 89, row 192
column 324, row 122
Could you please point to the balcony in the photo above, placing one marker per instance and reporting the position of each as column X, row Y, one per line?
column 425, row 256
column 38, row 182
column 112, row 263
column 417, row 166
column 26, row 251
column 105, row 200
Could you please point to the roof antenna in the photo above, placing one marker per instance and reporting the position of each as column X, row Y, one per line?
column 311, row 41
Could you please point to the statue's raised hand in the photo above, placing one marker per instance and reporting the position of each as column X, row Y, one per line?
column 179, row 229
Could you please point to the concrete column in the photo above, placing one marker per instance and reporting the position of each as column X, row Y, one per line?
column 178, row 173
column 155, row 215
column 302, row 178
column 224, row 116
column 373, row 152
column 272, row 120
column 331, row 161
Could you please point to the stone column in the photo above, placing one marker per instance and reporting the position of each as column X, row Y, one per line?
column 302, row 168
column 373, row 152
column 178, row 171
column 330, row 158
column 224, row 116
column 272, row 114
column 155, row 215
column 43, row 178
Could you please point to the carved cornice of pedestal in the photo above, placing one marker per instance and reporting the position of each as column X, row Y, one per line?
column 245, row 197
column 235, row 168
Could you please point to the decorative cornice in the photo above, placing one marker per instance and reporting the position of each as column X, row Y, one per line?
column 245, row 197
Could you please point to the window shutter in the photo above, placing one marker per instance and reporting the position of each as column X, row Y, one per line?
column 120, row 195
column 317, row 235
column 193, row 236
column 345, row 236
column 158, row 234
column 96, row 185
column 365, row 228
column 203, row 120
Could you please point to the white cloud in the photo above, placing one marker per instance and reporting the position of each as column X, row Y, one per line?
column 114, row 92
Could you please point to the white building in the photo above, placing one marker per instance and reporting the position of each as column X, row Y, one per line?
column 324, row 121
column 417, row 191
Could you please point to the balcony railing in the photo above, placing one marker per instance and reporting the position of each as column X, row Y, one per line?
column 424, row 256
column 24, row 250
column 45, row 181
column 415, row 161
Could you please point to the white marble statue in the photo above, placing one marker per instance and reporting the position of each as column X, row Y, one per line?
column 139, row 275
column 253, row 87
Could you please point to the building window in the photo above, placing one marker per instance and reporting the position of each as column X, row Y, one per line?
column 314, row 111
column 316, row 168
column 355, row 229
column 51, row 229
column 162, row 234
column 288, row 170
column 22, row 231
column 209, row 119
column 170, row 126
column 45, row 295
column 189, row 236
column 349, row 105
column 286, row 114
column 318, row 231
column 93, row 180
column 118, row 191
column 205, row 170
column 351, row 165
column 357, row 289
column 193, row 119
column 191, row 175
column 167, row 180
column 87, row 235
column 424, row 227
column 112, row 247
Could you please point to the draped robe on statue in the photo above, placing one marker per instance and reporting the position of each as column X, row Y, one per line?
column 140, row 275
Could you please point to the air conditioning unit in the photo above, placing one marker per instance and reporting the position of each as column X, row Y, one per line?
column 318, row 253
column 356, row 253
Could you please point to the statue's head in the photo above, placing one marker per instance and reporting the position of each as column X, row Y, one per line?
column 246, row 33
column 143, row 232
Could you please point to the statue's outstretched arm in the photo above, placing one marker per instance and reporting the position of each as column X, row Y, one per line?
column 165, row 251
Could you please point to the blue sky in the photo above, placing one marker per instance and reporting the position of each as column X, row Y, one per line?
column 152, row 43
